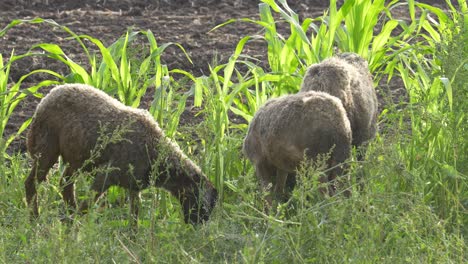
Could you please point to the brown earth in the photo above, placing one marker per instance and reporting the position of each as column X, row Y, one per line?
column 186, row 22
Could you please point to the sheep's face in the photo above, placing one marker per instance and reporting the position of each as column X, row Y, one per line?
column 198, row 204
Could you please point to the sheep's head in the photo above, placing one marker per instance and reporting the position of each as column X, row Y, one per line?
column 330, row 77
column 199, row 202
column 187, row 182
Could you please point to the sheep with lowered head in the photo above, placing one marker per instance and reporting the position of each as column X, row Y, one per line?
column 68, row 122
column 347, row 77
column 289, row 128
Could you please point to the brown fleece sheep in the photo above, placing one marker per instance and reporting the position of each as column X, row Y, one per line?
column 347, row 77
column 289, row 127
column 68, row 122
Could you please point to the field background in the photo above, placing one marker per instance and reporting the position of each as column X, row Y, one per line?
column 413, row 208
column 171, row 21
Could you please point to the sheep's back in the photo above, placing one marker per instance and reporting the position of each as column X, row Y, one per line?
column 286, row 127
column 83, row 100
column 77, row 116
column 332, row 76
column 347, row 77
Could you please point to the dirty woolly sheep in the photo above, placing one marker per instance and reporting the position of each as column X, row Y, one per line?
column 289, row 127
column 67, row 124
column 347, row 77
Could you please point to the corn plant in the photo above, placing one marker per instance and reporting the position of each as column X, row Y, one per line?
column 438, row 118
column 349, row 29
column 131, row 77
column 12, row 95
column 113, row 70
column 216, row 110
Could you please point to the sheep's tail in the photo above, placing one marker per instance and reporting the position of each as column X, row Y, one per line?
column 250, row 146
column 40, row 138
column 35, row 133
column 30, row 141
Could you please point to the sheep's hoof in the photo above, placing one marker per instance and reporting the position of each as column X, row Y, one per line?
column 33, row 217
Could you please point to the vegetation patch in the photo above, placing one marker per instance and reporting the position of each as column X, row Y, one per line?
column 409, row 204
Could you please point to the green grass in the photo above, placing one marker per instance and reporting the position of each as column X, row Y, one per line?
column 413, row 204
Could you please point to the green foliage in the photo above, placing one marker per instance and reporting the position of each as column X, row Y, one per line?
column 12, row 94
column 437, row 148
column 117, row 69
column 348, row 29
column 380, row 224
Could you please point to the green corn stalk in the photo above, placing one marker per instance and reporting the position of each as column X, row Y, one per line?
column 350, row 29
column 220, row 92
column 132, row 79
column 77, row 72
column 116, row 72
column 11, row 96
column 357, row 33
column 437, row 116
column 165, row 98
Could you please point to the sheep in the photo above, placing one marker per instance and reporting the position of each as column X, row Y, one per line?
column 347, row 77
column 289, row 128
column 67, row 123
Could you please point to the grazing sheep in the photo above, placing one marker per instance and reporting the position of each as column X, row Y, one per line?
column 67, row 123
column 289, row 127
column 347, row 77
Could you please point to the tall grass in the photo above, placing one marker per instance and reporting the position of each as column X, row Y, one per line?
column 412, row 207
column 436, row 151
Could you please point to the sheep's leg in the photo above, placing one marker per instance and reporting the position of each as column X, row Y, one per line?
column 360, row 155
column 333, row 180
column 361, row 152
column 134, row 207
column 337, row 176
column 323, row 180
column 329, row 179
column 41, row 167
column 68, row 189
column 100, row 186
column 281, row 177
column 265, row 172
column 332, row 183
column 85, row 205
column 290, row 183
